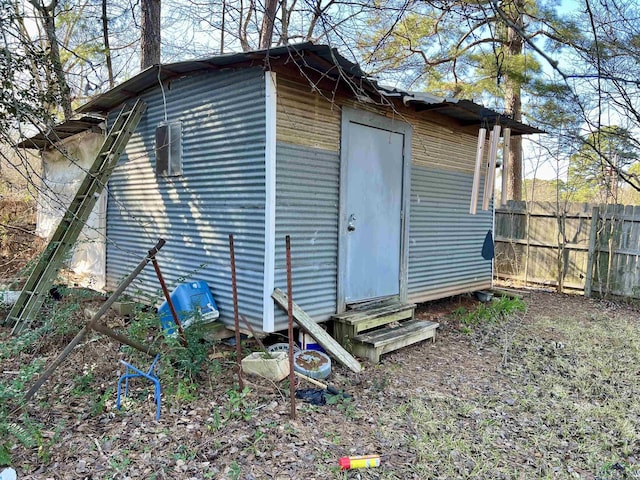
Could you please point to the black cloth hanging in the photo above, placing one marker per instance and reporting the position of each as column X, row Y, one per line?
column 487, row 247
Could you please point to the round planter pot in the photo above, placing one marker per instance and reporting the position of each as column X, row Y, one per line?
column 312, row 363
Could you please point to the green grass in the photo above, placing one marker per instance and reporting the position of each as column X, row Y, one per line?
column 560, row 409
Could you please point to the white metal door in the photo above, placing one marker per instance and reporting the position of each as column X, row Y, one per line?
column 373, row 206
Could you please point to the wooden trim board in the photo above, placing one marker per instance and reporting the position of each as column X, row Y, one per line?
column 325, row 340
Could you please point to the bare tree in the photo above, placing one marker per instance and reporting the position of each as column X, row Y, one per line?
column 513, row 97
column 105, row 39
column 268, row 20
column 47, row 14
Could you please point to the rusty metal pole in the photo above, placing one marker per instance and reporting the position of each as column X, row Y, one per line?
column 103, row 309
column 167, row 296
column 236, row 320
column 292, row 376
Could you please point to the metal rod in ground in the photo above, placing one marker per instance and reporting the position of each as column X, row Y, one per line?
column 167, row 296
column 81, row 334
column 264, row 349
column 99, row 327
column 292, row 377
column 236, row 321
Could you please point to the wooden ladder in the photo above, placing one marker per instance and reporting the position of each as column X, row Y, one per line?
column 39, row 283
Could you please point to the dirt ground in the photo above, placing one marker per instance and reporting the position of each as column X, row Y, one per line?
column 546, row 393
column 455, row 408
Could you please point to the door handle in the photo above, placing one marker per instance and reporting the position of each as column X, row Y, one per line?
column 351, row 225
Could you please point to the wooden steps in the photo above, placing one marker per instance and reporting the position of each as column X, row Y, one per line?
column 374, row 343
column 376, row 328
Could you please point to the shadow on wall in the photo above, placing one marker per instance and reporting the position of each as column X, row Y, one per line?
column 220, row 190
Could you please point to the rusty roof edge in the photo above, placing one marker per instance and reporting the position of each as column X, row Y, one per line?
column 431, row 102
column 149, row 77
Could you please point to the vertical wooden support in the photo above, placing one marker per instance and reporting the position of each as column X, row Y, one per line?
column 482, row 135
column 593, row 233
column 506, row 142
column 489, row 178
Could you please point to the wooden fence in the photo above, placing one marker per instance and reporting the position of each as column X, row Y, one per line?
column 575, row 246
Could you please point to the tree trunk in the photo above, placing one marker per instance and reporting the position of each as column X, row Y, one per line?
column 284, row 15
column 48, row 19
column 268, row 19
column 105, row 36
column 150, row 31
column 513, row 102
column 243, row 25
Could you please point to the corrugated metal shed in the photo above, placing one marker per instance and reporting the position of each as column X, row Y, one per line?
column 236, row 179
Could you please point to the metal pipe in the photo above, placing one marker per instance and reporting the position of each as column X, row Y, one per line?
column 78, row 338
column 167, row 296
column 99, row 327
column 236, row 320
column 292, row 377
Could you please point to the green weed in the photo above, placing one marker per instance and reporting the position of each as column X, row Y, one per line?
column 490, row 312
column 344, row 404
column 238, row 405
column 186, row 391
column 83, row 384
column 234, row 471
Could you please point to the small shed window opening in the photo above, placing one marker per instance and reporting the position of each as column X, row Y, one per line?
column 169, row 149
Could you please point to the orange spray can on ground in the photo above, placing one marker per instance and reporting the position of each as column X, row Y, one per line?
column 364, row 461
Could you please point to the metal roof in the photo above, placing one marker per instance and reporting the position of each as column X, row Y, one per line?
column 466, row 112
column 319, row 58
column 64, row 130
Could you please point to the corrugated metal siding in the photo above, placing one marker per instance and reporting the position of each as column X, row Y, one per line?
column 445, row 241
column 307, row 196
column 443, row 161
column 221, row 191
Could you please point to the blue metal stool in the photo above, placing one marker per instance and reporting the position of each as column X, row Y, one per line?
column 133, row 372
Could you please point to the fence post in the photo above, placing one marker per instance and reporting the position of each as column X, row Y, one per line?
column 595, row 218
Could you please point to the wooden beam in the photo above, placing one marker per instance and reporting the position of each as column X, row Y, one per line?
column 593, row 234
column 323, row 338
